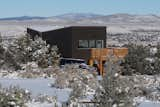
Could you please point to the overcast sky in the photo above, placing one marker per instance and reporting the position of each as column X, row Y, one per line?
column 12, row 8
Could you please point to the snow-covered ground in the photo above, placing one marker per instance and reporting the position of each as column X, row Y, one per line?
column 149, row 104
column 15, row 28
column 38, row 86
column 38, row 104
column 143, row 104
column 11, row 30
column 42, row 86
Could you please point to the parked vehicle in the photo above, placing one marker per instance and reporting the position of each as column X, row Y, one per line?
column 64, row 61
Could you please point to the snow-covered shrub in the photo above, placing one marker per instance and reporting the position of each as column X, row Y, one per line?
column 13, row 97
column 141, row 61
column 136, row 60
column 24, row 50
column 44, row 54
column 157, row 54
column 10, row 62
column 1, row 52
column 114, row 90
column 20, row 49
column 6, row 58
column 82, row 81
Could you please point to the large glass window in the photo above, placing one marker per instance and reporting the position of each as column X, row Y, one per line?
column 99, row 43
column 90, row 44
column 83, row 44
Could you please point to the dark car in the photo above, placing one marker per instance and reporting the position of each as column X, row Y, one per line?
column 64, row 61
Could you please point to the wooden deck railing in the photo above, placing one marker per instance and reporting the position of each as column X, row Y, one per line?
column 101, row 55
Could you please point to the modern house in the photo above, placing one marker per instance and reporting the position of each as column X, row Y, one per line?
column 75, row 41
column 81, row 42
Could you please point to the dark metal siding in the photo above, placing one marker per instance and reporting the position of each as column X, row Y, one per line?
column 33, row 33
column 61, row 38
column 86, row 33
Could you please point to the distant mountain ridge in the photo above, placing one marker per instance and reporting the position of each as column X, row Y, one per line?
column 94, row 18
column 21, row 18
column 63, row 16
column 77, row 16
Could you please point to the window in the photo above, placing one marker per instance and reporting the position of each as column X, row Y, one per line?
column 92, row 44
column 99, row 43
column 83, row 44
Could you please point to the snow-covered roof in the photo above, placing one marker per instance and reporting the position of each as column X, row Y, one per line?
column 45, row 28
column 49, row 28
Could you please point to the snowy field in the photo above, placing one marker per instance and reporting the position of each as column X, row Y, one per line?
column 38, row 86
column 144, row 104
column 16, row 28
column 150, row 104
column 39, row 105
column 41, row 86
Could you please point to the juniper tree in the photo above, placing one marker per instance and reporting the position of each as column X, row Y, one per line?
column 43, row 53
column 157, row 60
column 114, row 90
column 13, row 97
column 135, row 61
column 20, row 48
column 1, row 52
column 24, row 50
column 158, row 51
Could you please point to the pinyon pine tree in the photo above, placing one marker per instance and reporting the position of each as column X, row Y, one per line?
column 1, row 52
column 25, row 50
column 115, row 92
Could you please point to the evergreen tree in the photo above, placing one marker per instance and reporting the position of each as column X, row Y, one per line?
column 24, row 50
column 157, row 60
column 1, row 52
column 158, row 51
column 114, row 90
column 20, row 49
column 135, row 61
